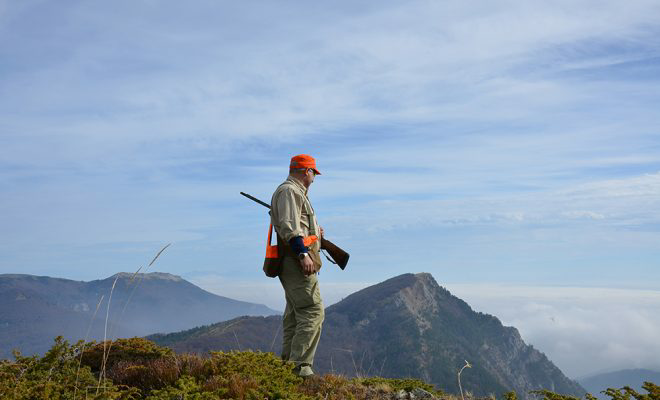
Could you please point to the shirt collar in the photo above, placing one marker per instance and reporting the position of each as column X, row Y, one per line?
column 297, row 183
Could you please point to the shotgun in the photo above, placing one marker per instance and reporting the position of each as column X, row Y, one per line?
column 337, row 255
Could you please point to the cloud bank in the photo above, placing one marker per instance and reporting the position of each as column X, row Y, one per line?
column 583, row 330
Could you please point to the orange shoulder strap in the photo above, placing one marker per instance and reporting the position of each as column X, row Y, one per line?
column 271, row 251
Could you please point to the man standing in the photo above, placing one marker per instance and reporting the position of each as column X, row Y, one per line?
column 294, row 221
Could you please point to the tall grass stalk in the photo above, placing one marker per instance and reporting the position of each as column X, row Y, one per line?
column 114, row 325
column 106, row 353
column 277, row 333
column 237, row 342
column 382, row 365
column 105, row 336
column 467, row 365
column 355, row 367
column 82, row 349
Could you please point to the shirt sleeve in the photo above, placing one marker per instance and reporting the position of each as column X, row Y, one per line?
column 289, row 208
column 298, row 245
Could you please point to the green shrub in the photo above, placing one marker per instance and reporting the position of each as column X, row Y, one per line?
column 146, row 375
column 406, row 384
column 56, row 375
column 133, row 349
column 255, row 375
column 334, row 387
column 185, row 388
column 139, row 369
column 511, row 395
column 626, row 393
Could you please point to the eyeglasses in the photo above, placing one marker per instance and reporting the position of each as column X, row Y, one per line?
column 313, row 172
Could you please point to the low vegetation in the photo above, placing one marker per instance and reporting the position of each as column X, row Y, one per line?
column 139, row 369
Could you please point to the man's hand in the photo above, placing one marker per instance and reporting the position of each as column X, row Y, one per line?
column 307, row 265
column 321, row 228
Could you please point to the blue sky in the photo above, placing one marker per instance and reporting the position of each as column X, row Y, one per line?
column 508, row 143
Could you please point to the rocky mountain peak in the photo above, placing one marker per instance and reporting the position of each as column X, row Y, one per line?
column 420, row 299
column 416, row 295
column 432, row 332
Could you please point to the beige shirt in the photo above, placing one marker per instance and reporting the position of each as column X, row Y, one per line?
column 292, row 214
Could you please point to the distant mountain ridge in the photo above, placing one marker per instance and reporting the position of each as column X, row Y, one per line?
column 618, row 379
column 407, row 326
column 35, row 309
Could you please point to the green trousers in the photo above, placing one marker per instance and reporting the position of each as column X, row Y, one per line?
column 303, row 315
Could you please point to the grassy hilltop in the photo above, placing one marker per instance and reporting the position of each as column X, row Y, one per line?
column 139, row 369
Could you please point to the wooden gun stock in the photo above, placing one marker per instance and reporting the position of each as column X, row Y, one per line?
column 337, row 254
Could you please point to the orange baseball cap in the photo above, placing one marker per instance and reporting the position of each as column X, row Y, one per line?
column 304, row 161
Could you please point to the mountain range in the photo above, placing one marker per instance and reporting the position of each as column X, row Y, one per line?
column 407, row 326
column 35, row 309
column 633, row 378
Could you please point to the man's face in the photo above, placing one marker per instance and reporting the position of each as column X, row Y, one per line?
column 308, row 179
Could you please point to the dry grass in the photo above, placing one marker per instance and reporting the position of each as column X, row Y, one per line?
column 240, row 386
column 106, row 352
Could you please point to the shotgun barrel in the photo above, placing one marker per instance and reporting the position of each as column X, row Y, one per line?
column 256, row 200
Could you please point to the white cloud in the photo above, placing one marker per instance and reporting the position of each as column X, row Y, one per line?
column 394, row 55
column 583, row 330
column 646, row 186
